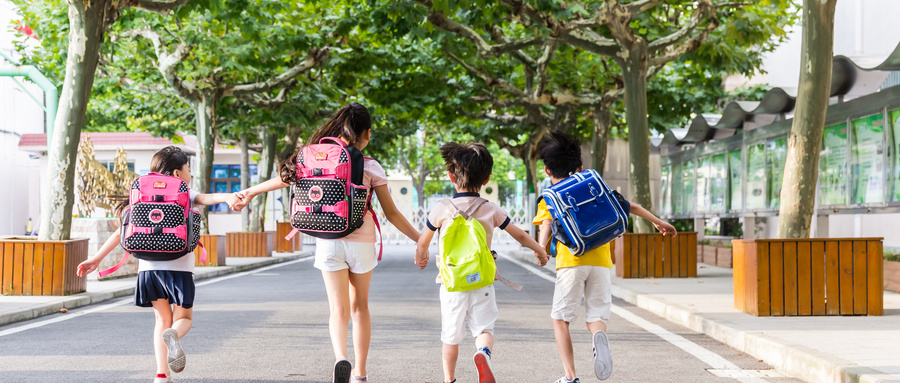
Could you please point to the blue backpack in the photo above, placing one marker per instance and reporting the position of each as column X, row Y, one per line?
column 586, row 212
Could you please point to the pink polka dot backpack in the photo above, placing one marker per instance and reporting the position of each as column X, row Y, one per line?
column 329, row 200
column 159, row 223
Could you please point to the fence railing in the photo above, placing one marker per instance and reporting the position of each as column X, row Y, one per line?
column 418, row 216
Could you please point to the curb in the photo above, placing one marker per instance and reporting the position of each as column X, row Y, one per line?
column 85, row 299
column 793, row 360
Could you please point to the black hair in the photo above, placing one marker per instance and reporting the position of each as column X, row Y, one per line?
column 350, row 122
column 469, row 163
column 166, row 161
column 561, row 154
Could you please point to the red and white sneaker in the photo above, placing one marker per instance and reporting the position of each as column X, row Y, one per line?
column 483, row 365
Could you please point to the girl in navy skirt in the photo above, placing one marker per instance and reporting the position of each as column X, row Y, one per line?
column 167, row 286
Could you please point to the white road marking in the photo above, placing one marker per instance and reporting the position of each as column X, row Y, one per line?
column 715, row 361
column 71, row 315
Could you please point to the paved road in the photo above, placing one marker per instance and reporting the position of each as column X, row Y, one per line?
column 271, row 326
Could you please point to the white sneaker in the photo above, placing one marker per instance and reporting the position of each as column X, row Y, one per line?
column 175, row 354
column 564, row 380
column 602, row 356
column 163, row 380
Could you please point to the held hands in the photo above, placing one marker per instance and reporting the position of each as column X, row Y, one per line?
column 422, row 258
column 87, row 267
column 542, row 258
column 241, row 199
column 666, row 228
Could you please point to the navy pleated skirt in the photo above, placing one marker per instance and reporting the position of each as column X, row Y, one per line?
column 175, row 286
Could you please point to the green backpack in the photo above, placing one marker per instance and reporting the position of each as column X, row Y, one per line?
column 466, row 262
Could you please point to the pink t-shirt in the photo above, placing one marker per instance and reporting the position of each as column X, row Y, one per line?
column 373, row 176
column 489, row 214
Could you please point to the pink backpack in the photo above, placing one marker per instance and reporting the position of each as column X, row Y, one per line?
column 328, row 200
column 159, row 224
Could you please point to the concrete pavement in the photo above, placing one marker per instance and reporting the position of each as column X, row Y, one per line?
column 814, row 349
column 20, row 308
column 271, row 325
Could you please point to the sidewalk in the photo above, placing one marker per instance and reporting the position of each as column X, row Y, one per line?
column 815, row 349
column 20, row 308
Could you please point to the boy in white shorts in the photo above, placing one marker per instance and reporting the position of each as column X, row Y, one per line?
column 586, row 276
column 469, row 167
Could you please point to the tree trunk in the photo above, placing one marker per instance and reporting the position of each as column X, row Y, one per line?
column 245, row 178
column 801, row 169
column 86, row 29
column 265, row 167
column 205, row 115
column 602, row 116
column 634, row 71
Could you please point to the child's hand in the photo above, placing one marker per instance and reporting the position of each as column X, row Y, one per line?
column 422, row 259
column 232, row 199
column 666, row 228
column 87, row 267
column 242, row 199
column 542, row 258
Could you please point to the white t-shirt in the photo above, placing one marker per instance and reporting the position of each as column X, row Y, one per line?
column 184, row 263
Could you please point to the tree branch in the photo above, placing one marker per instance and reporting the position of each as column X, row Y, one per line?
column 484, row 49
column 502, row 119
column 591, row 41
column 259, row 101
column 673, row 53
column 489, row 80
column 166, row 63
column 542, row 64
column 314, row 58
column 703, row 11
column 641, row 6
column 159, row 6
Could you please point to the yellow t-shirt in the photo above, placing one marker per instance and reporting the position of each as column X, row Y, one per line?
column 564, row 258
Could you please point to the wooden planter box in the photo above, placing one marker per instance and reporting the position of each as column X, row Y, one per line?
column 282, row 245
column 656, row 256
column 892, row 276
column 829, row 276
column 32, row 267
column 250, row 244
column 724, row 257
column 215, row 250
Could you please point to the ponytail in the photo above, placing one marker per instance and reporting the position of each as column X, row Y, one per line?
column 349, row 123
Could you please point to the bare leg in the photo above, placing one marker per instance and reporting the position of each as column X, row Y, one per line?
column 182, row 320
column 449, row 354
column 485, row 339
column 564, row 345
column 596, row 326
column 336, row 285
column 362, row 321
column 163, row 322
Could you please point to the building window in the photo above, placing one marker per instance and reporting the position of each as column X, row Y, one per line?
column 227, row 179
column 111, row 166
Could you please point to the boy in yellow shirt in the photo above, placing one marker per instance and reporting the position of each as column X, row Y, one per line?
column 586, row 276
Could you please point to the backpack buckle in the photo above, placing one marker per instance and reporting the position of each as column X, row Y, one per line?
column 158, row 198
column 317, row 171
column 157, row 230
column 572, row 203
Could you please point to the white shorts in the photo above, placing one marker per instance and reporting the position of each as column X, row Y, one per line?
column 593, row 283
column 336, row 255
column 477, row 307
